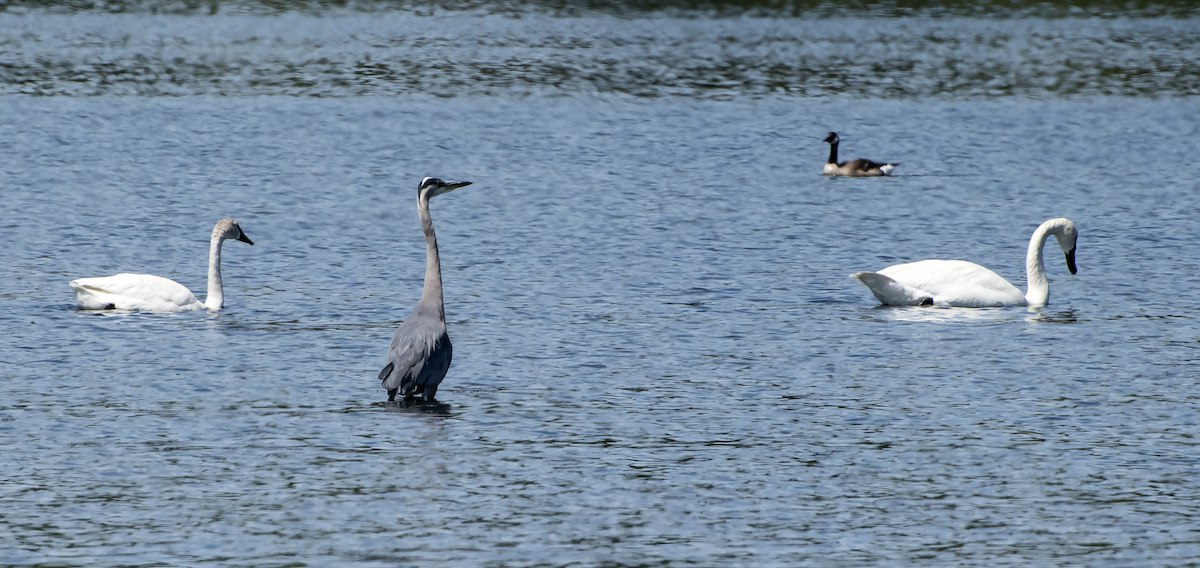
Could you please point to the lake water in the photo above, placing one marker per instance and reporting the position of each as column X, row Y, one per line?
column 660, row 358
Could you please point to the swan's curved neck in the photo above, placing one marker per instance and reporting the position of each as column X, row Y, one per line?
column 432, row 294
column 832, row 153
column 216, row 294
column 1038, row 289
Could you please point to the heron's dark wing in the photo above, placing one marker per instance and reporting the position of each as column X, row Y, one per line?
column 437, row 363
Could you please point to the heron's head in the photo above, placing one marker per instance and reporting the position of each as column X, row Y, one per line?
column 832, row 138
column 432, row 186
column 1066, row 235
column 229, row 229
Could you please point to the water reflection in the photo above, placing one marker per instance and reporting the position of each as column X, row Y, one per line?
column 398, row 53
column 941, row 314
column 1042, row 315
column 417, row 406
column 639, row 8
column 945, row 314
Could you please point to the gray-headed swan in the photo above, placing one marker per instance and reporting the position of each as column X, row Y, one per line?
column 148, row 293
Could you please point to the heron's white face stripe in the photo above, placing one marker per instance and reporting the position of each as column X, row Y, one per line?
column 429, row 187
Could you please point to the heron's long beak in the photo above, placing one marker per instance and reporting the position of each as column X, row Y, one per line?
column 245, row 239
column 448, row 186
column 1071, row 261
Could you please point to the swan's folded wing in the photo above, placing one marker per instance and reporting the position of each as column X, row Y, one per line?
column 956, row 283
column 892, row 293
column 937, row 276
column 135, row 291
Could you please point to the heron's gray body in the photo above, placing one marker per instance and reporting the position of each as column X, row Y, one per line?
column 420, row 353
column 419, row 356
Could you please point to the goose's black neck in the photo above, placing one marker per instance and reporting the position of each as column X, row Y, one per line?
column 832, row 153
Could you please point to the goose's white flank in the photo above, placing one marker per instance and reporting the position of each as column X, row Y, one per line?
column 966, row 284
column 148, row 293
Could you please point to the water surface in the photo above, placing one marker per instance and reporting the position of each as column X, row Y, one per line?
column 660, row 358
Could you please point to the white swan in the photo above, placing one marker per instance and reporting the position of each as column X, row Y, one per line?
column 968, row 285
column 148, row 293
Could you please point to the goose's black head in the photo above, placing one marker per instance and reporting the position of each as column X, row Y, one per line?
column 432, row 186
column 832, row 138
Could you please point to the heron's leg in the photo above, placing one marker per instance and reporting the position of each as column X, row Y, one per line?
column 413, row 391
column 392, row 395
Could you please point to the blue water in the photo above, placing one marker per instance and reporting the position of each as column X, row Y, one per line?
column 659, row 359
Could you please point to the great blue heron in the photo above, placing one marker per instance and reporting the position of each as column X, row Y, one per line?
column 149, row 293
column 854, row 168
column 420, row 353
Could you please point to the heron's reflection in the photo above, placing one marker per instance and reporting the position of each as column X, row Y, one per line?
column 417, row 406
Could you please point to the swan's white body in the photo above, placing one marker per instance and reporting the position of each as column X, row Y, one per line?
column 148, row 293
column 966, row 284
column 139, row 292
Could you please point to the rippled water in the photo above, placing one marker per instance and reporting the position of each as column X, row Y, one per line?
column 451, row 54
column 660, row 358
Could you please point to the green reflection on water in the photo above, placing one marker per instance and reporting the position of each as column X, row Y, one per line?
column 641, row 8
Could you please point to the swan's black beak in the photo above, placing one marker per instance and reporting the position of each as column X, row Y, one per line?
column 247, row 240
column 1071, row 261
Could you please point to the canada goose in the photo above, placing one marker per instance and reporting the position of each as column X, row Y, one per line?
column 966, row 284
column 148, row 293
column 854, row 168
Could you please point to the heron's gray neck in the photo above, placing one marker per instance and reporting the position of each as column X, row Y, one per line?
column 832, row 153
column 216, row 294
column 1038, row 288
column 431, row 296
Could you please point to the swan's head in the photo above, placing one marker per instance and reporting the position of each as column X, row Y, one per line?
column 1066, row 235
column 229, row 229
column 432, row 186
column 832, row 138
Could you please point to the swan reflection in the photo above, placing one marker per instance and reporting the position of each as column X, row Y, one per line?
column 1057, row 316
column 943, row 314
